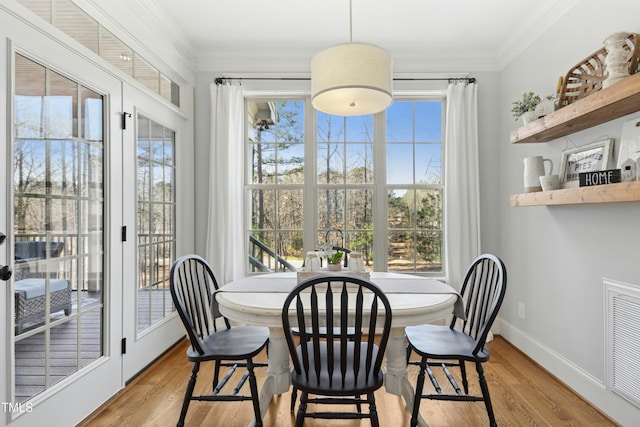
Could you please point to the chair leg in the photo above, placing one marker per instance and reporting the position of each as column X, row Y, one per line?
column 294, row 396
column 302, row 409
column 418, row 396
column 373, row 412
column 253, row 384
column 463, row 373
column 216, row 374
column 188, row 393
column 485, row 394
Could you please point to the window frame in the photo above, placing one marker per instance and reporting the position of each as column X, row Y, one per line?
column 310, row 186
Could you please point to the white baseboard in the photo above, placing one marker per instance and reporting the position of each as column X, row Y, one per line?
column 583, row 383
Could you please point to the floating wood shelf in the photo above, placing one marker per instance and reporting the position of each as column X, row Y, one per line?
column 615, row 101
column 609, row 193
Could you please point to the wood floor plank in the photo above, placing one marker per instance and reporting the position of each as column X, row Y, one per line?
column 523, row 394
column 554, row 400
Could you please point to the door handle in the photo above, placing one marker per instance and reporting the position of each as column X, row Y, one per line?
column 5, row 273
column 5, row 270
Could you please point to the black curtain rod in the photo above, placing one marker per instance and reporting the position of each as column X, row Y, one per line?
column 221, row 80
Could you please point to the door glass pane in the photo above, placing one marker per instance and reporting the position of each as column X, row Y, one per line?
column 155, row 225
column 58, row 210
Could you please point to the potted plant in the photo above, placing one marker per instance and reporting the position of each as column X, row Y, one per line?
column 526, row 107
column 334, row 261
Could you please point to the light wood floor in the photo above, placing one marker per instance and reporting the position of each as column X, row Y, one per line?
column 522, row 393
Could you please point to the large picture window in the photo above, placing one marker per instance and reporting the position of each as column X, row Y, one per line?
column 396, row 155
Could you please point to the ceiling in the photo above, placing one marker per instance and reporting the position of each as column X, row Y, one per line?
column 447, row 32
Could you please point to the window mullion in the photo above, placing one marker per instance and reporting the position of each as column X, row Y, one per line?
column 380, row 241
column 310, row 201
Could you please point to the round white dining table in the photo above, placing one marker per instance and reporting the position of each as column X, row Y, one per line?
column 415, row 300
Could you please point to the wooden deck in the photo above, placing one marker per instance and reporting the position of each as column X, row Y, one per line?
column 67, row 353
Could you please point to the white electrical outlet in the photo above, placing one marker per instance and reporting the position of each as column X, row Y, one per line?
column 521, row 310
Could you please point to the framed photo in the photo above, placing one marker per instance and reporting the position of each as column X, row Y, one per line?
column 588, row 158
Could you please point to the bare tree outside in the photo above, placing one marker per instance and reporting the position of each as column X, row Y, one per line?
column 415, row 194
column 345, row 183
column 345, row 190
column 276, row 143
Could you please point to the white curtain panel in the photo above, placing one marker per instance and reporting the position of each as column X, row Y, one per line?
column 462, row 207
column 225, row 250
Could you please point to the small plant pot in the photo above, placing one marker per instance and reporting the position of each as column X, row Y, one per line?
column 334, row 267
column 529, row 116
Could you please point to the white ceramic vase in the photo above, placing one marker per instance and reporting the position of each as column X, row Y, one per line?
column 616, row 62
column 529, row 116
column 312, row 263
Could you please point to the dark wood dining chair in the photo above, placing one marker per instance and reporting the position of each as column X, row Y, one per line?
column 445, row 346
column 192, row 282
column 323, row 334
column 333, row 366
column 351, row 335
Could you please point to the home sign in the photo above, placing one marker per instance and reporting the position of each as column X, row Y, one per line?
column 599, row 177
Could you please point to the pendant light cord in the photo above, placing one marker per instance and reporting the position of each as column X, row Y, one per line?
column 350, row 21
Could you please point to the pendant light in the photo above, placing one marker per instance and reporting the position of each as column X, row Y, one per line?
column 352, row 79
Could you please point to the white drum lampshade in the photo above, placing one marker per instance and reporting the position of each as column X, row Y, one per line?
column 352, row 79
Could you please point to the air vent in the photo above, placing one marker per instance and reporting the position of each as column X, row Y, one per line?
column 622, row 316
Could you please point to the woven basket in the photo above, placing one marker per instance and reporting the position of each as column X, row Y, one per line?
column 587, row 76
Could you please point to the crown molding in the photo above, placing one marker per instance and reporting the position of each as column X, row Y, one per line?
column 256, row 61
column 546, row 15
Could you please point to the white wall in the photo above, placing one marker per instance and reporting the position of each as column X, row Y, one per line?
column 557, row 256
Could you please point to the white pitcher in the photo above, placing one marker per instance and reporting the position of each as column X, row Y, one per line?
column 355, row 262
column 533, row 170
column 312, row 263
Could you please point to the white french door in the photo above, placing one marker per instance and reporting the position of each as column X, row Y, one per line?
column 61, row 318
column 152, row 170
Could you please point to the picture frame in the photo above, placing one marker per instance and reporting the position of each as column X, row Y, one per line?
column 588, row 158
